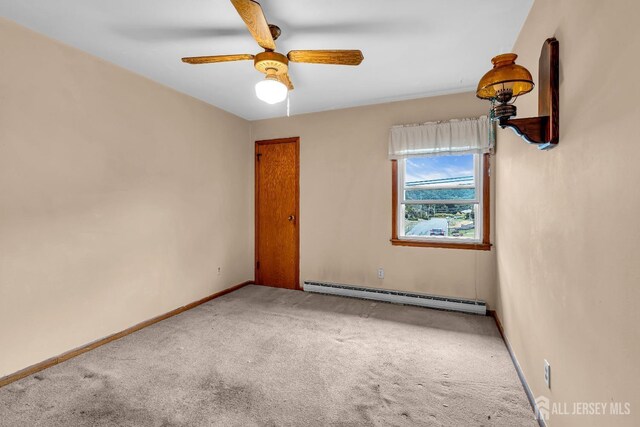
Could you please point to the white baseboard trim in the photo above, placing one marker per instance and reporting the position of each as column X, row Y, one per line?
column 523, row 380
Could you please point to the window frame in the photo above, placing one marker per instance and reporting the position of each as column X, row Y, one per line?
column 484, row 200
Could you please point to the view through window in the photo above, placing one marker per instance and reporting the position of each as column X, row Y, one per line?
column 440, row 198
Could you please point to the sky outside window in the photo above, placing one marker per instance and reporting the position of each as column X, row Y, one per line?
column 439, row 167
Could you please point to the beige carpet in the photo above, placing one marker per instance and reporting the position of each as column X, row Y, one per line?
column 270, row 357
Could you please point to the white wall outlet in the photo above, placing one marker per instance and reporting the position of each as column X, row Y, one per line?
column 547, row 373
column 219, row 270
column 381, row 273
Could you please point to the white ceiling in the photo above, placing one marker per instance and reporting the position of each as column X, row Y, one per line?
column 412, row 48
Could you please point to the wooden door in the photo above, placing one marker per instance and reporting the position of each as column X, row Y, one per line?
column 277, row 220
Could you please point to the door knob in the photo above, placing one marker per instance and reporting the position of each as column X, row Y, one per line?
column 292, row 218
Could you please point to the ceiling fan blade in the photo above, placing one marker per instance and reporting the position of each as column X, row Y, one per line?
column 337, row 57
column 284, row 79
column 252, row 15
column 218, row 58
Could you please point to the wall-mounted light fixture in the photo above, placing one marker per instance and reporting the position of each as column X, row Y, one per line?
column 506, row 81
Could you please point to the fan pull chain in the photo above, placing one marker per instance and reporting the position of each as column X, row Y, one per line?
column 288, row 104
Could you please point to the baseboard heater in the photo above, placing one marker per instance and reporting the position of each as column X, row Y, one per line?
column 398, row 297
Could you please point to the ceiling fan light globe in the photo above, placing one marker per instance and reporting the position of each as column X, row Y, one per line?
column 271, row 91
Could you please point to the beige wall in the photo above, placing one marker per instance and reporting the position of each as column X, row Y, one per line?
column 117, row 204
column 345, row 202
column 119, row 198
column 568, row 234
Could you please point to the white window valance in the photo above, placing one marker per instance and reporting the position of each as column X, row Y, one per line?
column 475, row 135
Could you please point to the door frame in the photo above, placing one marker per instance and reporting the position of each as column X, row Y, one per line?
column 296, row 142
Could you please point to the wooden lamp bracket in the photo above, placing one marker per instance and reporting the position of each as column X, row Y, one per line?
column 544, row 130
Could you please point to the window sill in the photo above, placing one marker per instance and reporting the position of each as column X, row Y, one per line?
column 444, row 245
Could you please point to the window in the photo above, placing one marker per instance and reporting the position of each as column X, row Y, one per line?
column 441, row 201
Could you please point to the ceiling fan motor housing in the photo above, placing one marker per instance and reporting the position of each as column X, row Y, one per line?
column 271, row 63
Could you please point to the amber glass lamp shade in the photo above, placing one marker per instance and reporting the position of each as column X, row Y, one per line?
column 505, row 80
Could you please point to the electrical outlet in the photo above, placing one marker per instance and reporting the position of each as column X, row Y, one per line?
column 381, row 273
column 219, row 270
column 547, row 373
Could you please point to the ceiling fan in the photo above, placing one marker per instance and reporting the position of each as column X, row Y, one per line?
column 275, row 65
